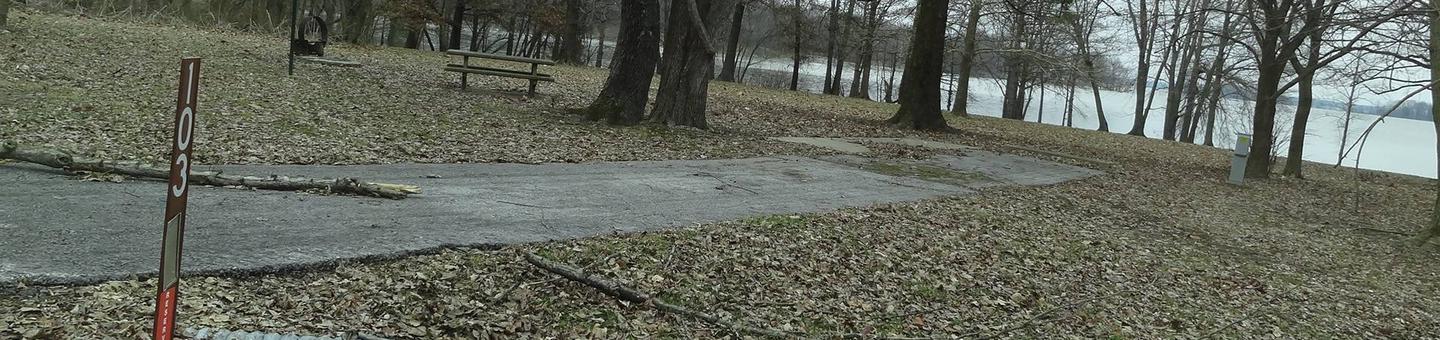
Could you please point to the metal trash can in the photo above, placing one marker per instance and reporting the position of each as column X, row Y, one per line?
column 1239, row 159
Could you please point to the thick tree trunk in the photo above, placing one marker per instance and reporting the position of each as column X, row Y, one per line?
column 920, row 88
column 627, row 90
column 1266, row 97
column 967, row 60
column 570, row 49
column 732, row 45
column 1271, row 68
column 688, row 63
column 4, row 13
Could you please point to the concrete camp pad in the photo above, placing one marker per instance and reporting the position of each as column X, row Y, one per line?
column 59, row 230
column 850, row 145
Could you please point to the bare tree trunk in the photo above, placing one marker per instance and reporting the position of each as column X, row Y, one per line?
column 1149, row 100
column 920, row 88
column 1212, row 109
column 600, row 48
column 1040, row 113
column 1069, row 118
column 1081, row 29
column 688, row 63
column 1215, row 87
column 1175, row 94
column 967, row 60
column 1014, row 98
column 732, row 45
column 570, row 49
column 1145, row 39
column 834, row 30
column 510, row 30
column 477, row 31
column 412, row 39
column 1295, row 157
column 457, row 25
column 834, row 86
column 637, row 51
column 860, row 83
column 1434, row 229
column 798, row 44
column 4, row 13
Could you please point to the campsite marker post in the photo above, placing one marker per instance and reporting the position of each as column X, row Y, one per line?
column 177, row 195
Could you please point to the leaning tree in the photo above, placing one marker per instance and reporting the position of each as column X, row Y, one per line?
column 627, row 90
column 689, row 60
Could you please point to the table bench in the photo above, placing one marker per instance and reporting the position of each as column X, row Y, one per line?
column 465, row 69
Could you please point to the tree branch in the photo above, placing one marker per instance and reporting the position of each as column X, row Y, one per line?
column 61, row 160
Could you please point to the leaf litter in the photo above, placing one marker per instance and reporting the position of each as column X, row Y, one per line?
column 1159, row 247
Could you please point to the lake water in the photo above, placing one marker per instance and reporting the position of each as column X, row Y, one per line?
column 1396, row 145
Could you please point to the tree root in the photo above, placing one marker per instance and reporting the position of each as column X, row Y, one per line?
column 61, row 160
column 623, row 293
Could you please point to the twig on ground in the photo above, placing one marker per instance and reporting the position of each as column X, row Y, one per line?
column 1401, row 233
column 723, row 183
column 522, row 204
column 627, row 294
column 61, row 160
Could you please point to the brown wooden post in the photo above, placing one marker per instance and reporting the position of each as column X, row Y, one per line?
column 464, row 77
column 534, row 71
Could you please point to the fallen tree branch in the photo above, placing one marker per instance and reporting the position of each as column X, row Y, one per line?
column 61, row 160
column 618, row 291
column 1401, row 233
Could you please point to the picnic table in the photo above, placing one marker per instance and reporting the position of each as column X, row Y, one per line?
column 465, row 68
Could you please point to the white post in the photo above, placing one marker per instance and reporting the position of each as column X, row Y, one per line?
column 1238, row 161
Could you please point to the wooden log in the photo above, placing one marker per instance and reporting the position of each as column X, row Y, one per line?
column 61, row 160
